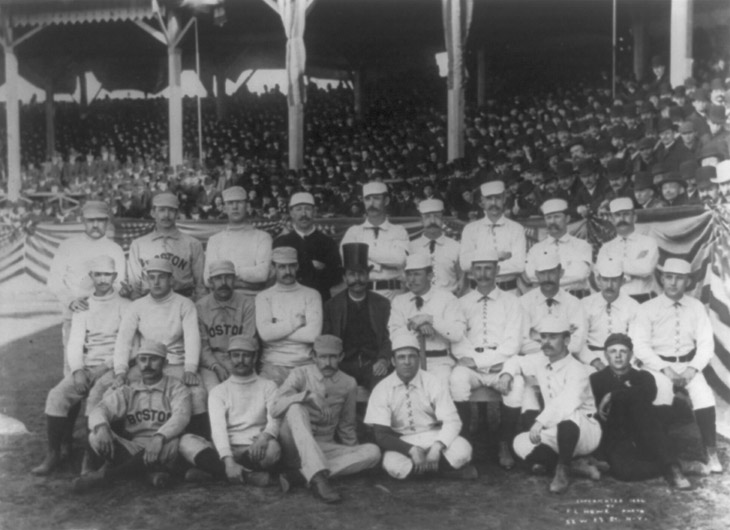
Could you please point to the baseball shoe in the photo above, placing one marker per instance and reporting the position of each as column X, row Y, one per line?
column 561, row 480
column 676, row 478
column 506, row 461
column 581, row 467
column 197, row 476
column 159, row 479
column 694, row 467
column 323, row 490
column 291, row 479
column 93, row 479
column 259, row 479
column 49, row 464
column 467, row 472
column 713, row 460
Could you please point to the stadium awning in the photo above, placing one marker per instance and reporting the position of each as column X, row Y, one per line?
column 50, row 12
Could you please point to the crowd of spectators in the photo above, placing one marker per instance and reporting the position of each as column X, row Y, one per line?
column 577, row 142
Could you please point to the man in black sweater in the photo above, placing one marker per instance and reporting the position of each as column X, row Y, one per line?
column 634, row 440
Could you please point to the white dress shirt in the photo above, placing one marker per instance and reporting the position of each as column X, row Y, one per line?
column 535, row 307
column 448, row 322
column 504, row 235
column 447, row 273
column 638, row 255
column 387, row 248
column 602, row 319
column 250, row 251
column 424, row 404
column 494, row 325
column 666, row 328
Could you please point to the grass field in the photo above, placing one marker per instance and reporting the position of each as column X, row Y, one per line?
column 31, row 365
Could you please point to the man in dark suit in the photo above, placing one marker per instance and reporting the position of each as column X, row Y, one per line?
column 634, row 440
column 360, row 318
column 319, row 257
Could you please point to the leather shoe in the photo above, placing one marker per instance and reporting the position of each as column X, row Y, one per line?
column 506, row 461
column 713, row 460
column 467, row 472
column 322, row 489
column 676, row 478
column 91, row 480
column 561, row 480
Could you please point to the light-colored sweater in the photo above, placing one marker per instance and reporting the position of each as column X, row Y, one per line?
column 239, row 410
column 172, row 320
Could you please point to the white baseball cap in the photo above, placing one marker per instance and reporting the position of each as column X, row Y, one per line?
column 609, row 268
column 485, row 254
column 374, row 188
column 234, row 193
column 301, row 197
column 102, row 263
column 554, row 206
column 621, row 204
column 547, row 260
column 403, row 340
column 493, row 187
column 418, row 261
column 430, row 206
column 677, row 266
column 723, row 172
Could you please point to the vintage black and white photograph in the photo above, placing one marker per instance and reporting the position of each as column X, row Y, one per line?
column 364, row 264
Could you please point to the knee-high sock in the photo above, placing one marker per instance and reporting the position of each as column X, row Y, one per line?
column 464, row 410
column 200, row 425
column 509, row 417
column 56, row 429
column 73, row 413
column 208, row 461
column 706, row 423
column 543, row 455
column 568, row 434
column 527, row 420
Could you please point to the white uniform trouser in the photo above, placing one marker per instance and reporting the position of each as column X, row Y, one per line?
column 529, row 364
column 588, row 440
column 63, row 396
column 699, row 391
column 441, row 367
column 316, row 455
column 191, row 445
column 463, row 380
column 198, row 392
column 399, row 466
column 65, row 331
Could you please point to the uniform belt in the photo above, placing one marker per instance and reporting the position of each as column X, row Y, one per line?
column 681, row 359
column 378, row 285
column 437, row 353
column 482, row 350
column 580, row 293
column 641, row 298
column 595, row 348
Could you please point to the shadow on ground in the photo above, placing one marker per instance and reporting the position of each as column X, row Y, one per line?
column 497, row 500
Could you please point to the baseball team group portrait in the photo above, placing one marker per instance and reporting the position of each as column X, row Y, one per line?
column 253, row 276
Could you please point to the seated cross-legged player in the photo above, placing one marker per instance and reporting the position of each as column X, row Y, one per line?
column 415, row 421
column 317, row 405
column 90, row 353
column 154, row 412
column 566, row 426
column 242, row 427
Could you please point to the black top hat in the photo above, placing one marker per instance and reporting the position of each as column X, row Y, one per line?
column 355, row 257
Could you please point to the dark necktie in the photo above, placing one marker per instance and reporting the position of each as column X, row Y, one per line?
column 550, row 302
column 376, row 231
column 432, row 246
column 419, row 302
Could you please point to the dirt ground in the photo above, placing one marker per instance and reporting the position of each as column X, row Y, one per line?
column 497, row 500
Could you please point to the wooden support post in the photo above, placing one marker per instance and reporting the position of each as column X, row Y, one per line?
column 50, row 125
column 174, row 68
column 455, row 97
column 13, row 118
column 481, row 76
column 680, row 64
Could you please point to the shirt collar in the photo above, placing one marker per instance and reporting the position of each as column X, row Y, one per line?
column 416, row 382
column 498, row 222
column 384, row 226
column 172, row 234
column 669, row 302
column 563, row 239
column 493, row 295
column 303, row 235
column 558, row 365
column 139, row 386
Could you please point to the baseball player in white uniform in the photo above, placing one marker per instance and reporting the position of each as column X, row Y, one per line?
column 443, row 251
column 387, row 243
column 185, row 253
column 90, row 353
